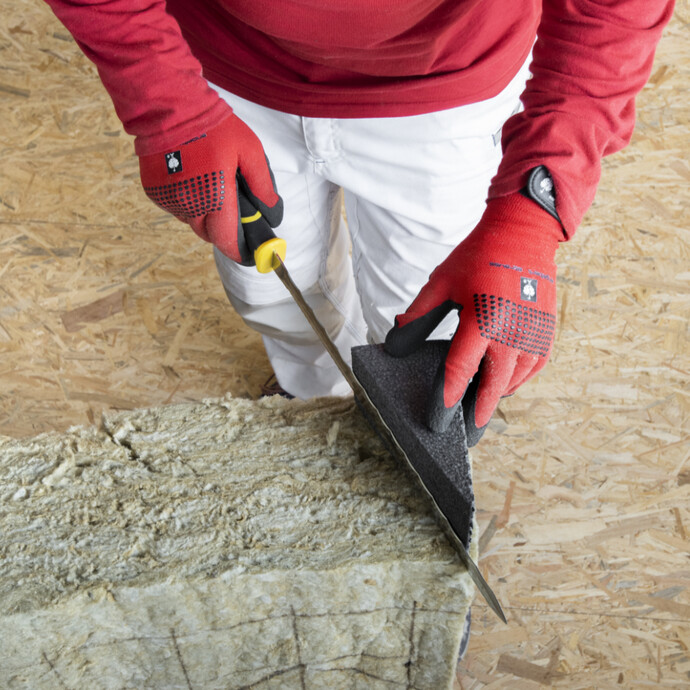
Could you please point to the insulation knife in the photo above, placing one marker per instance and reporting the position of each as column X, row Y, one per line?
column 269, row 255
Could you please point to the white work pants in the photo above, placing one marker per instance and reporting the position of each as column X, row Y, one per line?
column 413, row 188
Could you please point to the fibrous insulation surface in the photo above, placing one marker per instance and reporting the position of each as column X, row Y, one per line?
column 232, row 544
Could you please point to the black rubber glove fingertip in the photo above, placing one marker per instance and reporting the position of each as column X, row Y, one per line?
column 274, row 214
column 396, row 344
column 404, row 340
column 439, row 417
column 469, row 405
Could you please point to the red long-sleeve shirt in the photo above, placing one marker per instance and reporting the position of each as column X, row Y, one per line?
column 382, row 58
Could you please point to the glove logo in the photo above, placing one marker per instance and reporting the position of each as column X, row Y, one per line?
column 173, row 162
column 528, row 289
column 546, row 189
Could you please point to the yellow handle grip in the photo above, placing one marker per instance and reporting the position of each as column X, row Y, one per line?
column 265, row 255
column 261, row 238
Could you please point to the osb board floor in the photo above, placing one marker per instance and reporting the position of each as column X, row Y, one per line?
column 583, row 482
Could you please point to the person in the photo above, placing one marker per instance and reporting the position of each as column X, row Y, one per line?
column 464, row 138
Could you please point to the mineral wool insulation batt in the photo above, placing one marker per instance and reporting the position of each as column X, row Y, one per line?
column 228, row 544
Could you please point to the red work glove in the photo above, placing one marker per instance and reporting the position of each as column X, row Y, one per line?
column 502, row 279
column 200, row 180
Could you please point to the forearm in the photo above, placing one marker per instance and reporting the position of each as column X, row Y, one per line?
column 147, row 68
column 590, row 61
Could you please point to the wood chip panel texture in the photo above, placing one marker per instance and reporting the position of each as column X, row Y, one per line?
column 583, row 480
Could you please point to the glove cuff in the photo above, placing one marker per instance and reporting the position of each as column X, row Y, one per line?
column 170, row 140
column 515, row 218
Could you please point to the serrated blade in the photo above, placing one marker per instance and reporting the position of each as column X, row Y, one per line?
column 374, row 418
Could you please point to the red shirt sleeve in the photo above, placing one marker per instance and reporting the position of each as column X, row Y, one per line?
column 591, row 58
column 147, row 68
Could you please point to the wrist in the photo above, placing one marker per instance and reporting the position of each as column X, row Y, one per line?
column 516, row 219
column 169, row 139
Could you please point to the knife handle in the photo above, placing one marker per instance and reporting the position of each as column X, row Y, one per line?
column 260, row 238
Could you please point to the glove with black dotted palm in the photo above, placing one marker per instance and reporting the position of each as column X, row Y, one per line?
column 502, row 280
column 199, row 182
